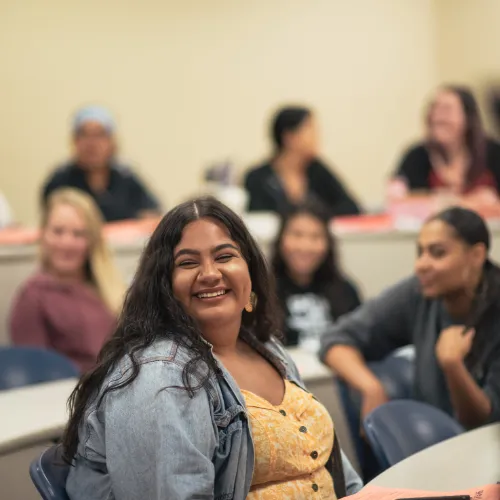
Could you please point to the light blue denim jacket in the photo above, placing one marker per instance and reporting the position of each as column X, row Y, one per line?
column 153, row 441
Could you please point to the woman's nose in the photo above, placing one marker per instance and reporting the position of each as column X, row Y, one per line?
column 209, row 272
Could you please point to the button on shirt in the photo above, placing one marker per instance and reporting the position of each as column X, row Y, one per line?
column 124, row 198
column 292, row 446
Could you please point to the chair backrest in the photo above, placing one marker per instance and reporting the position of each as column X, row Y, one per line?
column 398, row 429
column 48, row 473
column 20, row 366
column 397, row 374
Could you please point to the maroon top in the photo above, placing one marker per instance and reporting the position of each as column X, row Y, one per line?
column 485, row 179
column 66, row 317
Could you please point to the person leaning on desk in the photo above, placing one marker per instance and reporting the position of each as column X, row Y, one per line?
column 456, row 156
column 450, row 311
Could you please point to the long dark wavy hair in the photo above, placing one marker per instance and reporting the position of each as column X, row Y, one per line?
column 151, row 311
column 475, row 136
column 470, row 228
column 328, row 277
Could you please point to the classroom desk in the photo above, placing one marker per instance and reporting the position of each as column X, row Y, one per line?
column 33, row 414
column 465, row 461
column 30, row 418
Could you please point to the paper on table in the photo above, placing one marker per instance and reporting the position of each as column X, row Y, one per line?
column 489, row 492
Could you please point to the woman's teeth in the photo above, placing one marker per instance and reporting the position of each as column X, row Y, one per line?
column 210, row 294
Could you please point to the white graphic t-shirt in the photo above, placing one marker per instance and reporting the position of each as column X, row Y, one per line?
column 309, row 315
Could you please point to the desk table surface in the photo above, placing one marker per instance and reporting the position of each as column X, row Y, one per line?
column 33, row 414
column 465, row 461
column 309, row 366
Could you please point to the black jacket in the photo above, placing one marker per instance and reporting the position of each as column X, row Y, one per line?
column 125, row 198
column 267, row 194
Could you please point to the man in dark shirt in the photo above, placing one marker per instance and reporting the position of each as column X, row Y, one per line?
column 116, row 190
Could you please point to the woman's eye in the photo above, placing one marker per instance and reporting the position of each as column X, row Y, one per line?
column 438, row 253
column 224, row 258
column 187, row 263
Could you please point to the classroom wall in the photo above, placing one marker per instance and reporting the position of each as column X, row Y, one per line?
column 195, row 82
column 468, row 45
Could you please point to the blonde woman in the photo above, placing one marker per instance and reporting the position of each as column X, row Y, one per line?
column 71, row 303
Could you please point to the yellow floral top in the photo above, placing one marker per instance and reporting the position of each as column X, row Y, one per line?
column 293, row 442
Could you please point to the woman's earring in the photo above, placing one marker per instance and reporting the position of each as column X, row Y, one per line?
column 252, row 302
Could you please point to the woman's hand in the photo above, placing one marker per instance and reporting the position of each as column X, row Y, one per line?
column 372, row 398
column 453, row 345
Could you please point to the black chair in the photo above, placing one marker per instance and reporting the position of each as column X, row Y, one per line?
column 398, row 429
column 49, row 473
column 21, row 366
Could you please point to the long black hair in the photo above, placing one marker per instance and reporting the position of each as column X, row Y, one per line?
column 151, row 311
column 328, row 277
column 475, row 137
column 469, row 227
column 286, row 120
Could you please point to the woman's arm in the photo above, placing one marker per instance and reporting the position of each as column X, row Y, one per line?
column 159, row 440
column 371, row 332
column 471, row 404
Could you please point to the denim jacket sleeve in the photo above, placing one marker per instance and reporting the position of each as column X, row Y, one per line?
column 160, row 441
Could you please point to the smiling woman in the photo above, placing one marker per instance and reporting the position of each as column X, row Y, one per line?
column 450, row 311
column 193, row 394
column 71, row 304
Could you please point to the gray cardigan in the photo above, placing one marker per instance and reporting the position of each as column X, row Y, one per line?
column 402, row 315
column 146, row 441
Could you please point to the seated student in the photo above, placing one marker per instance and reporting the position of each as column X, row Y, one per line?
column 116, row 189
column 450, row 311
column 456, row 155
column 311, row 288
column 295, row 173
column 71, row 304
column 193, row 397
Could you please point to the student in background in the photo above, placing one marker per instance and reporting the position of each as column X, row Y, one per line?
column 184, row 401
column 456, row 155
column 117, row 191
column 71, row 304
column 295, row 174
column 311, row 288
column 450, row 311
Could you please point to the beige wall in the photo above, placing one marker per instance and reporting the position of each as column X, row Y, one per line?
column 194, row 81
column 469, row 44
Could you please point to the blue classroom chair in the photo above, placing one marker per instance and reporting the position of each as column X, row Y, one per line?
column 400, row 428
column 48, row 473
column 21, row 366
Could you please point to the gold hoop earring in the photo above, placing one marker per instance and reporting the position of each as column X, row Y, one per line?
column 252, row 302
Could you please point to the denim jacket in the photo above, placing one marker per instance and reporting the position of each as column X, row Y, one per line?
column 152, row 440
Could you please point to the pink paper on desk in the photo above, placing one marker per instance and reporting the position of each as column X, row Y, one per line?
column 489, row 492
